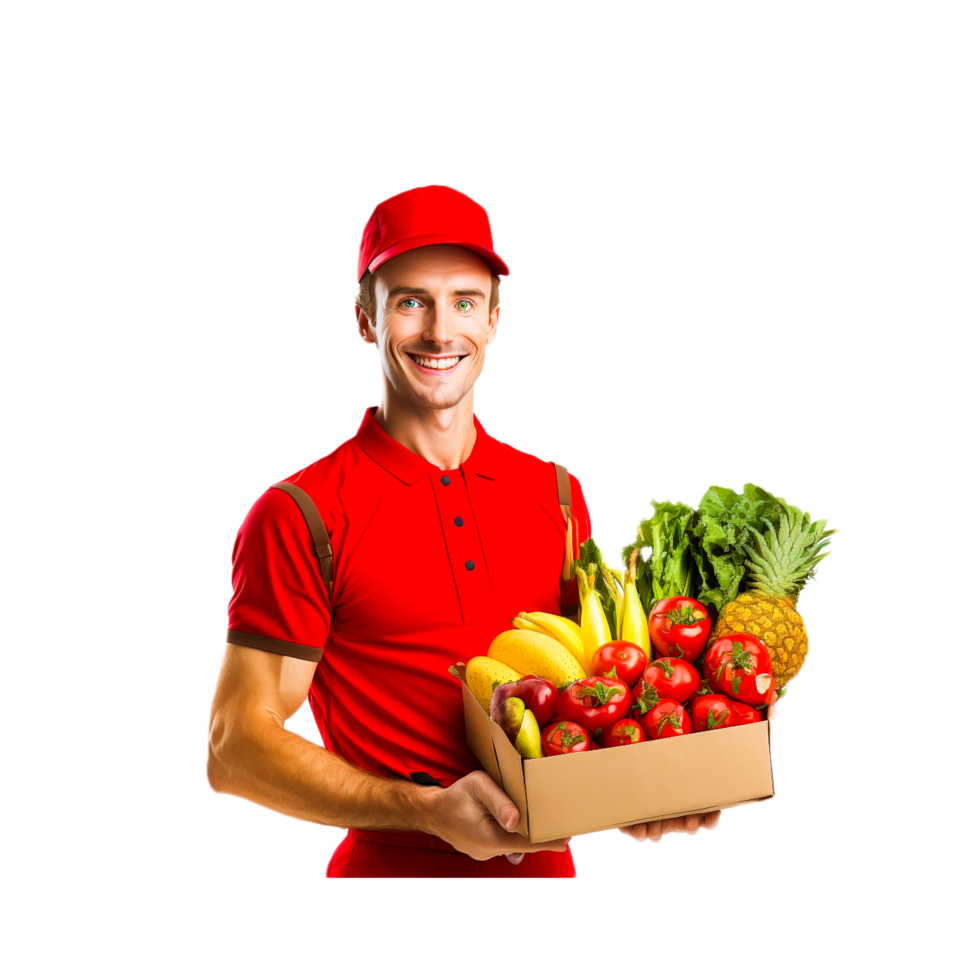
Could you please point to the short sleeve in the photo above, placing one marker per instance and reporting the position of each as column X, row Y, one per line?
column 580, row 513
column 280, row 603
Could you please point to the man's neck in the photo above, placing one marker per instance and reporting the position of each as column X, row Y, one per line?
column 443, row 437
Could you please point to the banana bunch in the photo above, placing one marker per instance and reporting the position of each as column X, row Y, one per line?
column 565, row 631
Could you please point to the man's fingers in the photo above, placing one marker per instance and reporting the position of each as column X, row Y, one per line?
column 515, row 858
column 637, row 831
column 500, row 805
column 711, row 819
column 690, row 824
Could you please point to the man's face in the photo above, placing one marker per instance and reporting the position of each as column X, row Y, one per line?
column 433, row 323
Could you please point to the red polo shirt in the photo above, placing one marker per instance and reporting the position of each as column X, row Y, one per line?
column 429, row 566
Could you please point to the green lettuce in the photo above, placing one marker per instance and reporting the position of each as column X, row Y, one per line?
column 668, row 562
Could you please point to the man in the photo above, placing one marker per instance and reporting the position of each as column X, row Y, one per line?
column 438, row 536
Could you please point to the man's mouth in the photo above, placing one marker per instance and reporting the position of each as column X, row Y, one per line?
column 436, row 365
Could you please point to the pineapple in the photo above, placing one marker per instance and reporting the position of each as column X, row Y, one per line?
column 779, row 564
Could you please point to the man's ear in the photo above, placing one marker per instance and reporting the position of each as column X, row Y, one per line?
column 364, row 326
column 492, row 325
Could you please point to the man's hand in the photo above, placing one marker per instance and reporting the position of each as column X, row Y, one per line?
column 657, row 828
column 476, row 816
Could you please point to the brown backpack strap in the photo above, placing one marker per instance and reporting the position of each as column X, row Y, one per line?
column 564, row 489
column 318, row 530
column 565, row 501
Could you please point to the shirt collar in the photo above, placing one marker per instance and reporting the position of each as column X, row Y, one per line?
column 484, row 459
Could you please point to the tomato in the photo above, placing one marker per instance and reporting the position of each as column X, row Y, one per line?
column 665, row 719
column 744, row 714
column 627, row 658
column 562, row 737
column 595, row 703
column 540, row 697
column 705, row 688
column 739, row 666
column 672, row 678
column 679, row 627
column 711, row 711
column 625, row 732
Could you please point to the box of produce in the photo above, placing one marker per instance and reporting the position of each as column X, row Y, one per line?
column 670, row 672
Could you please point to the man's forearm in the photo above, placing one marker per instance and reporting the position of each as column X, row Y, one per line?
column 255, row 757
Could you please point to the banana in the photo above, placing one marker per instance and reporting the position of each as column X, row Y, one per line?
column 521, row 622
column 530, row 652
column 634, row 627
column 482, row 674
column 553, row 623
column 567, row 633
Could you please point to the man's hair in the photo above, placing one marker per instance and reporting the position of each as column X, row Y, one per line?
column 367, row 298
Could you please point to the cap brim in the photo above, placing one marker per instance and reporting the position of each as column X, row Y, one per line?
column 497, row 265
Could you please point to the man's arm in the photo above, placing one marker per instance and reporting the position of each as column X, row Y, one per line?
column 251, row 754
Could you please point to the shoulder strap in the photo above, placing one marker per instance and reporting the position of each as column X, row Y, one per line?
column 318, row 530
column 565, row 501
column 564, row 489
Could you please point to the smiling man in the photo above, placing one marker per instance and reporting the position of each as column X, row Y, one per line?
column 361, row 578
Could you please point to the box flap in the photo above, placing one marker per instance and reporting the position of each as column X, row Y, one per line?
column 584, row 792
column 498, row 757
column 478, row 734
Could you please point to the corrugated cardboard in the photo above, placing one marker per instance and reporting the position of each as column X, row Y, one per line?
column 582, row 792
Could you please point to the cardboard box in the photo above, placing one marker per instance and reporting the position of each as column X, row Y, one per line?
column 582, row 792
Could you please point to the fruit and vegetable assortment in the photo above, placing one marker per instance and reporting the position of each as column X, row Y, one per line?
column 698, row 632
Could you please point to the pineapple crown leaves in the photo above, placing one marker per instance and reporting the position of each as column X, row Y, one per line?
column 784, row 557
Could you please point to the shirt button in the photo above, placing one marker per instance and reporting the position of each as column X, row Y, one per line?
column 445, row 481
column 458, row 521
column 470, row 566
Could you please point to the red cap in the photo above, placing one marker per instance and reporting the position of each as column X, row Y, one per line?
column 432, row 215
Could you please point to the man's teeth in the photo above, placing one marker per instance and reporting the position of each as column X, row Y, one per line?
column 437, row 363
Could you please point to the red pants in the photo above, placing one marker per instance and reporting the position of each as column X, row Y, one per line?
column 373, row 854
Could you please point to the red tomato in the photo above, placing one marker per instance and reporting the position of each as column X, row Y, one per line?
column 705, row 688
column 679, row 627
column 745, row 715
column 667, row 718
column 562, row 737
column 672, row 678
column 625, row 732
column 595, row 703
column 739, row 666
column 712, row 711
column 627, row 658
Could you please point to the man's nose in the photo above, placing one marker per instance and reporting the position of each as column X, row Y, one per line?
column 439, row 328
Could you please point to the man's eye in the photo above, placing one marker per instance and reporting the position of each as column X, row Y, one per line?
column 414, row 302
column 465, row 305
